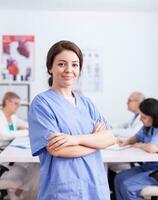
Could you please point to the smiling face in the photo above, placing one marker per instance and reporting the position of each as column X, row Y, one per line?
column 65, row 69
column 146, row 119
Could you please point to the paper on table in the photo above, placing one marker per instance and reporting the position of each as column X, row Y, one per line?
column 116, row 147
column 21, row 146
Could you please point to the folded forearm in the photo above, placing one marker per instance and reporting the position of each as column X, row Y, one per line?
column 97, row 140
column 72, row 151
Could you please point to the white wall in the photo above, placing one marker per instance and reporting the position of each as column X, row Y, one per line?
column 128, row 39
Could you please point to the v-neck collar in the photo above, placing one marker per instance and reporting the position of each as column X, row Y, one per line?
column 63, row 98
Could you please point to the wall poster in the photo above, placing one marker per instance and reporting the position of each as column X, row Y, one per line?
column 17, row 58
column 91, row 79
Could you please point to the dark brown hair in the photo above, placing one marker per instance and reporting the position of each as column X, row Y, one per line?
column 9, row 96
column 58, row 48
column 150, row 107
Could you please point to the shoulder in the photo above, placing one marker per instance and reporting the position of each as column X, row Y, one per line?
column 41, row 98
column 44, row 102
column 40, row 103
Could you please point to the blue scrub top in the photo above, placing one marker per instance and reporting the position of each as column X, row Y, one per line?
column 152, row 139
column 82, row 178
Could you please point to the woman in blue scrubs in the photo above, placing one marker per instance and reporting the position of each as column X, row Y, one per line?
column 128, row 184
column 67, row 132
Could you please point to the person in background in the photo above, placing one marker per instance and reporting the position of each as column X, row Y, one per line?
column 10, row 124
column 10, row 128
column 128, row 184
column 126, row 130
column 130, row 128
column 67, row 132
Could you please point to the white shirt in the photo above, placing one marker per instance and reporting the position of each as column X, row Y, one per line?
column 5, row 134
column 128, row 129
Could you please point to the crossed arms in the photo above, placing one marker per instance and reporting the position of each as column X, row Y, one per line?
column 63, row 145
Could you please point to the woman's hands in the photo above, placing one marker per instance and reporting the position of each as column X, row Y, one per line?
column 98, row 127
column 122, row 142
column 132, row 140
column 60, row 140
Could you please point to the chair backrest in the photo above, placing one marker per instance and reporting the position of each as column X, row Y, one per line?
column 21, row 177
column 13, row 178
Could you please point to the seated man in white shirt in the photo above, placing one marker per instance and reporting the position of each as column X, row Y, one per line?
column 130, row 128
column 10, row 124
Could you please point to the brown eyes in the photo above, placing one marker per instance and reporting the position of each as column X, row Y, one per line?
column 74, row 65
column 61, row 64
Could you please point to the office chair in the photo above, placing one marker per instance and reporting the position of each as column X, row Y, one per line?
column 9, row 179
column 18, row 178
column 3, row 193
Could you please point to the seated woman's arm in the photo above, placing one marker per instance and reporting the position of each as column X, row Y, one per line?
column 150, row 148
column 131, row 140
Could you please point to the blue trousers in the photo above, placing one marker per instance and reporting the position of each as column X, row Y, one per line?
column 128, row 184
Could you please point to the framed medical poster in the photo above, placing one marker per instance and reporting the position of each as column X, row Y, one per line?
column 91, row 79
column 17, row 60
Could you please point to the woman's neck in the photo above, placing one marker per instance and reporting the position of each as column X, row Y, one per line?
column 66, row 92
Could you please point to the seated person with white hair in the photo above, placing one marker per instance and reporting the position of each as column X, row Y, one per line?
column 133, row 126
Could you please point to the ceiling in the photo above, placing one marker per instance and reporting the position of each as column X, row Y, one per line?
column 80, row 5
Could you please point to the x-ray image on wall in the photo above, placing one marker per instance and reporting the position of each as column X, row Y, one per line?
column 92, row 76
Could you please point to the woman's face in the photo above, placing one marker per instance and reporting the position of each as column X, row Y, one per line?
column 146, row 119
column 65, row 69
column 13, row 105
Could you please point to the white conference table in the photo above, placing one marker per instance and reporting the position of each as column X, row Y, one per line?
column 18, row 151
column 14, row 153
column 128, row 155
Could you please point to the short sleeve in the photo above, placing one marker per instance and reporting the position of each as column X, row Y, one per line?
column 140, row 135
column 42, row 122
column 154, row 139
